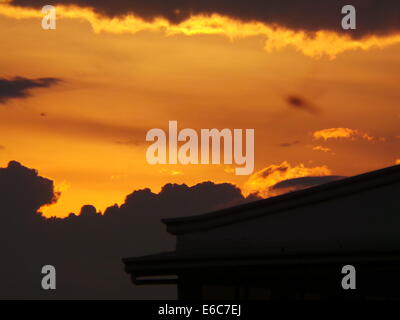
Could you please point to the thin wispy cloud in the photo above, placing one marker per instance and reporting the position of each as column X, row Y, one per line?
column 322, row 148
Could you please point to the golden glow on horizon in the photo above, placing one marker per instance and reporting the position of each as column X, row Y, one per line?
column 318, row 44
column 87, row 133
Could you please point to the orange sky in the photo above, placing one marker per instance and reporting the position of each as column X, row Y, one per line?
column 121, row 78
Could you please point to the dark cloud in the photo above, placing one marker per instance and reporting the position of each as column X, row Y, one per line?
column 86, row 249
column 23, row 191
column 20, row 87
column 302, row 183
column 89, row 211
column 268, row 171
column 180, row 198
column 299, row 103
column 373, row 16
column 289, row 144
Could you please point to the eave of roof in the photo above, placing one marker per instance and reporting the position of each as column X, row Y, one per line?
column 324, row 192
column 173, row 263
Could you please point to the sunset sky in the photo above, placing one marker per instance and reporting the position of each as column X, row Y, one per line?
column 321, row 102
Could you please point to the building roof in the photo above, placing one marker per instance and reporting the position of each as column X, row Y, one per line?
column 275, row 205
column 163, row 268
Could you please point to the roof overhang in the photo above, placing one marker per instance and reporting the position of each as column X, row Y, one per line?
column 274, row 205
column 165, row 268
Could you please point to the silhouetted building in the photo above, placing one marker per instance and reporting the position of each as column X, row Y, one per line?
column 288, row 247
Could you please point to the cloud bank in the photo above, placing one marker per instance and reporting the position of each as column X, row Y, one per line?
column 23, row 192
column 86, row 248
column 374, row 17
column 311, row 27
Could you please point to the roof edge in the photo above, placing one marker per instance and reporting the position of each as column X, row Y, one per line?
column 323, row 192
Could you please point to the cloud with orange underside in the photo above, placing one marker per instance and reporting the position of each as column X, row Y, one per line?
column 262, row 182
column 341, row 133
column 314, row 44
